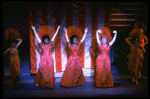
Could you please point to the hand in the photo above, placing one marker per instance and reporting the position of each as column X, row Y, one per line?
column 114, row 31
column 33, row 27
column 86, row 30
column 59, row 26
column 99, row 31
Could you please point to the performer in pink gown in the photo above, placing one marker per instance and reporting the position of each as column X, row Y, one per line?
column 45, row 75
column 103, row 76
column 73, row 74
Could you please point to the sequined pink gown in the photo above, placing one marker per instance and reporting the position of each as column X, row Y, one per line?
column 103, row 76
column 45, row 75
column 73, row 74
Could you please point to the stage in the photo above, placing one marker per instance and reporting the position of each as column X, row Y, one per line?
column 119, row 16
column 122, row 86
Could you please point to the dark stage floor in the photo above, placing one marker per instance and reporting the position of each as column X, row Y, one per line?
column 122, row 86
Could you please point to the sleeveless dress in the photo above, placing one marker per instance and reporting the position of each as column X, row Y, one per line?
column 103, row 76
column 45, row 75
column 133, row 62
column 73, row 74
column 14, row 63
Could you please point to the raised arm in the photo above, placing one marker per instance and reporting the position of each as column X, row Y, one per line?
column 97, row 37
column 67, row 39
column 39, row 44
column 53, row 38
column 18, row 44
column 83, row 38
column 66, row 35
column 39, row 40
column 114, row 38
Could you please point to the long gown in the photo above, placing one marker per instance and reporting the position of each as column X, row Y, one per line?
column 45, row 75
column 133, row 62
column 103, row 77
column 14, row 63
column 73, row 74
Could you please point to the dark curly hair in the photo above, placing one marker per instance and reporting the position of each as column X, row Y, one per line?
column 72, row 37
column 45, row 37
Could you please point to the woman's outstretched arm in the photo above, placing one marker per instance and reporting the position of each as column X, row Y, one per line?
column 67, row 39
column 83, row 38
column 39, row 43
column 54, row 36
column 39, row 40
column 97, row 37
column 114, row 38
column 18, row 44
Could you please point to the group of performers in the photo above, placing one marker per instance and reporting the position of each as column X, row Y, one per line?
column 73, row 74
